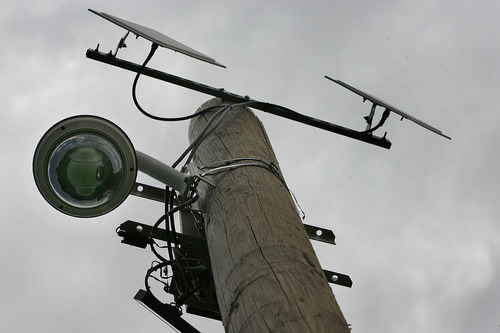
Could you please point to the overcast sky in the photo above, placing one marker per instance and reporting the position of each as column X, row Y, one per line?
column 417, row 225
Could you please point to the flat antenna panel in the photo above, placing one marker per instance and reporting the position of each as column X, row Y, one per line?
column 157, row 38
column 389, row 107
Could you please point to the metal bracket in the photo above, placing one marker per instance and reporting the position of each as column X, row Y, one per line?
column 320, row 234
column 369, row 118
column 337, row 278
column 204, row 303
column 164, row 311
column 148, row 192
column 137, row 234
column 327, row 236
column 231, row 97
column 121, row 44
column 158, row 194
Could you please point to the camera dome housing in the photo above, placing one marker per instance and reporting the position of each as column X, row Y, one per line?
column 85, row 166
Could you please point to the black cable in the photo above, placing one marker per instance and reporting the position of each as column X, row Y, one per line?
column 151, row 270
column 181, row 263
column 182, row 299
column 183, row 285
column 154, row 47
column 183, row 282
column 163, row 218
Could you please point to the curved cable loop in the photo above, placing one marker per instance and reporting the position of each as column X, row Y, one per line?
column 165, row 217
column 154, row 47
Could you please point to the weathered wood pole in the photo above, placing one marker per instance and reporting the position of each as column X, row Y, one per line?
column 266, row 273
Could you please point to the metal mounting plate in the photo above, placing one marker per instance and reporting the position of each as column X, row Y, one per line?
column 320, row 234
column 337, row 278
column 148, row 192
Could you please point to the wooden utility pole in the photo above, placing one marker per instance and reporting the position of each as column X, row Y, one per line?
column 266, row 273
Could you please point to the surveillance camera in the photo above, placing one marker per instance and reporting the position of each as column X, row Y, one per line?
column 85, row 166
